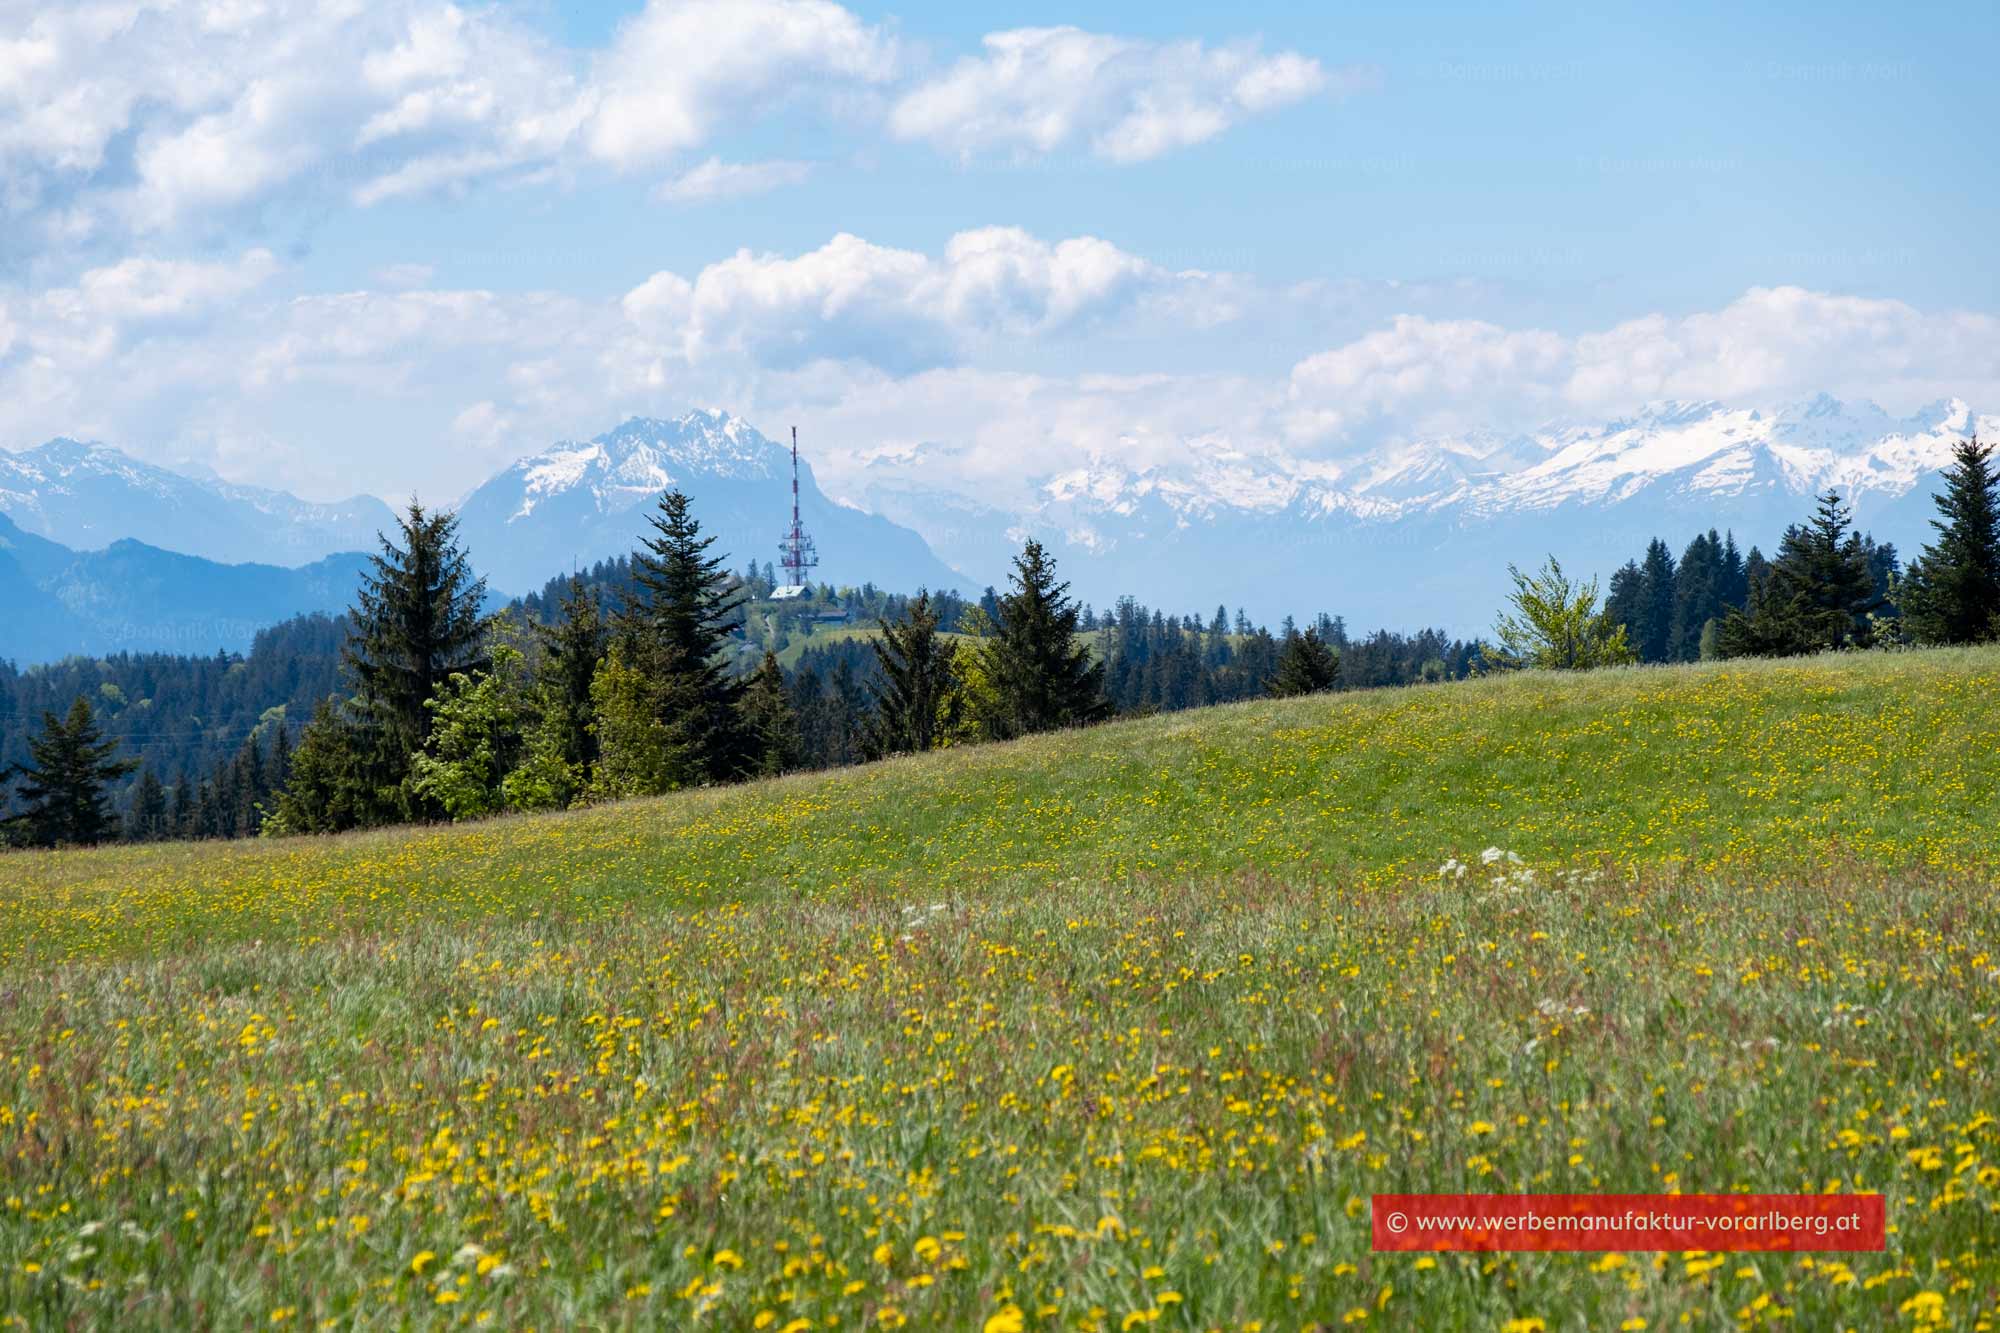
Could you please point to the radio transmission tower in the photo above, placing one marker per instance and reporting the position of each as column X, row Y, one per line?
column 800, row 555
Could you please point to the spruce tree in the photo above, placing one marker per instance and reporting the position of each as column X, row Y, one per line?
column 1622, row 602
column 1816, row 595
column 1654, row 639
column 146, row 821
column 326, row 789
column 571, row 649
column 63, row 784
column 1951, row 593
column 1305, row 666
column 768, row 720
column 919, row 698
column 1697, row 595
column 416, row 621
column 180, row 818
column 675, row 633
column 1043, row 674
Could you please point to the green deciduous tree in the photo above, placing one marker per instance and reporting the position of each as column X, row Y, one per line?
column 480, row 721
column 918, row 700
column 650, row 726
column 1556, row 624
column 1951, row 593
column 63, row 784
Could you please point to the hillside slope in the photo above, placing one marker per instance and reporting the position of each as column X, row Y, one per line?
column 1893, row 759
column 1109, row 1030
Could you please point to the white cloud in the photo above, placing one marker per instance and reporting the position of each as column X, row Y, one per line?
column 1770, row 345
column 679, row 68
column 900, row 309
column 1037, row 90
column 123, row 118
column 219, row 106
column 1444, row 372
column 896, row 354
column 144, row 288
column 1786, row 340
column 401, row 277
column 716, row 179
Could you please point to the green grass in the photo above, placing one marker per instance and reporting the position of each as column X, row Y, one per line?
column 1114, row 1028
column 824, row 636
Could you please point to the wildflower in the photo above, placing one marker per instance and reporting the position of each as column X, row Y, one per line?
column 1007, row 1319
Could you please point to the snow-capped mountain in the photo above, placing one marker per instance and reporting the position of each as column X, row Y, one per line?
column 87, row 496
column 575, row 503
column 1423, row 529
column 1415, row 530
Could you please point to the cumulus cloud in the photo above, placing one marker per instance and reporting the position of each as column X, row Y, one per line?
column 143, row 118
column 907, row 359
column 1441, row 370
column 119, row 119
column 1037, row 90
column 679, row 67
column 1773, row 344
column 900, row 310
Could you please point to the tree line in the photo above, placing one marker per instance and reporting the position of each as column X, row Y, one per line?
column 630, row 678
column 1828, row 588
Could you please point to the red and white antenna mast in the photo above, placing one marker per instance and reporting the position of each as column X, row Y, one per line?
column 800, row 555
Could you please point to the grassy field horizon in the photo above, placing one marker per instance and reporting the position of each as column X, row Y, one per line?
column 1109, row 1029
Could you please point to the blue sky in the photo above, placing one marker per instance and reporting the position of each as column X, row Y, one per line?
column 1606, row 159
column 395, row 249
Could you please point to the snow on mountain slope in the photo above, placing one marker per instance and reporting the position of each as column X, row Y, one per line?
column 578, row 502
column 633, row 464
column 1425, row 528
column 87, row 495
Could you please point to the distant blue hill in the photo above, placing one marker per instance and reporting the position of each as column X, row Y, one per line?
column 130, row 597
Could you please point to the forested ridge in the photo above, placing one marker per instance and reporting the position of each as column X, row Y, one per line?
column 660, row 670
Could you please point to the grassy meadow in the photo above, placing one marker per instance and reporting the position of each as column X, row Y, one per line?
column 1116, row 1029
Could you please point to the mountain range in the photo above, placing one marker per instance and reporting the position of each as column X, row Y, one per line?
column 89, row 495
column 576, row 502
column 1422, row 531
column 1413, row 532
column 132, row 597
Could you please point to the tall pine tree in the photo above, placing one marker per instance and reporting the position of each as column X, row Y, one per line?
column 416, row 621
column 1305, row 666
column 768, row 720
column 1951, row 593
column 1042, row 672
column 918, row 698
column 1654, row 638
column 63, row 785
column 572, row 647
column 674, row 635
column 1816, row 595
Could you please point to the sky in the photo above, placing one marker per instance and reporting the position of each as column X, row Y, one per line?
column 334, row 247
